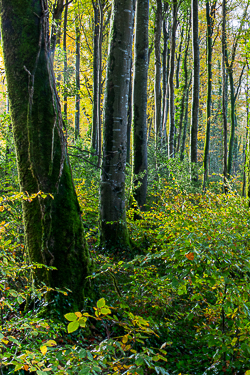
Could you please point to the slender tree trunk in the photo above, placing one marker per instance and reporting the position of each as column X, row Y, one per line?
column 171, row 81
column 129, row 115
column 210, row 20
column 185, row 88
column 246, row 145
column 140, row 102
column 99, row 122
column 196, row 89
column 65, row 64
column 53, row 228
column 224, row 95
column 184, row 135
column 157, row 86
column 113, row 229
column 56, row 24
column 94, row 131
column 166, row 61
column 232, row 133
column 77, row 96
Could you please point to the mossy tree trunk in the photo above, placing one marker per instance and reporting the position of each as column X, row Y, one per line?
column 77, row 75
column 53, row 227
column 140, row 163
column 113, row 229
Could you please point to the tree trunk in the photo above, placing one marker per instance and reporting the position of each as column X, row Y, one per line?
column 94, row 130
column 53, row 228
column 140, row 102
column 185, row 88
column 99, row 86
column 165, row 73
column 210, row 20
column 65, row 63
column 196, row 89
column 224, row 94
column 157, row 85
column 183, row 141
column 77, row 96
column 231, row 139
column 171, row 81
column 113, row 228
column 56, row 24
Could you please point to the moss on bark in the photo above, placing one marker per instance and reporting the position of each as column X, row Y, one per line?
column 53, row 227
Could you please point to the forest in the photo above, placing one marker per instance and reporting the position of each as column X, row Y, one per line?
column 124, row 187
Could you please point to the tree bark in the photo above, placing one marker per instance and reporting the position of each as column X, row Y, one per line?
column 157, row 85
column 196, row 89
column 77, row 96
column 94, row 130
column 65, row 63
column 113, row 228
column 165, row 75
column 53, row 228
column 185, row 86
column 224, row 94
column 56, row 24
column 140, row 164
column 171, row 81
column 210, row 14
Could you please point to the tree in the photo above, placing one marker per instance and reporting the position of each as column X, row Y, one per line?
column 196, row 88
column 140, row 101
column 53, row 227
column 157, row 85
column 210, row 15
column 171, row 80
column 113, row 229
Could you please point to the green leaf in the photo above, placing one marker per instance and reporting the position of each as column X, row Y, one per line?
column 71, row 317
column 18, row 366
column 20, row 299
column 85, row 371
column 1, row 336
column 139, row 361
column 82, row 322
column 105, row 311
column 101, row 303
column 73, row 326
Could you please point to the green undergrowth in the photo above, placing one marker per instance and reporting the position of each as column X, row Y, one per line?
column 179, row 307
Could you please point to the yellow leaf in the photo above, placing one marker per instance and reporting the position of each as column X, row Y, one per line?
column 78, row 314
column 51, row 343
column 26, row 367
column 43, row 349
column 1, row 208
column 125, row 339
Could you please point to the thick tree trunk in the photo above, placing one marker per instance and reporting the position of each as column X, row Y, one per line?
column 77, row 96
column 140, row 163
column 113, row 229
column 196, row 89
column 53, row 228
column 157, row 85
column 171, row 81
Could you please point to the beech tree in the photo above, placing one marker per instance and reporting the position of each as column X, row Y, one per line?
column 53, row 227
column 140, row 101
column 113, row 229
